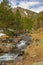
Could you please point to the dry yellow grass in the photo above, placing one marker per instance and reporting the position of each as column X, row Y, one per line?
column 37, row 36
column 4, row 37
column 33, row 53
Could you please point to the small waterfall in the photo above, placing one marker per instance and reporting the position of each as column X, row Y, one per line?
column 21, row 44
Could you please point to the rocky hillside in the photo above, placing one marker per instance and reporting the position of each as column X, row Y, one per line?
column 24, row 12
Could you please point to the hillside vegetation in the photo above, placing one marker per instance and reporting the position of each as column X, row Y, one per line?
column 14, row 21
column 18, row 20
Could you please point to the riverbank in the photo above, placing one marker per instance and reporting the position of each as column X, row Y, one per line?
column 33, row 53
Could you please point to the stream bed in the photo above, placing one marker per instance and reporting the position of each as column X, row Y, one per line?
column 20, row 45
column 12, row 56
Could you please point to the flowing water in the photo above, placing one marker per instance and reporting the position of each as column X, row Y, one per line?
column 6, row 57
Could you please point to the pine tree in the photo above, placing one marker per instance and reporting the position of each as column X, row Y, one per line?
column 5, row 3
column 18, row 22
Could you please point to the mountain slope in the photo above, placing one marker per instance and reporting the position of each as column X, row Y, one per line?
column 24, row 12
